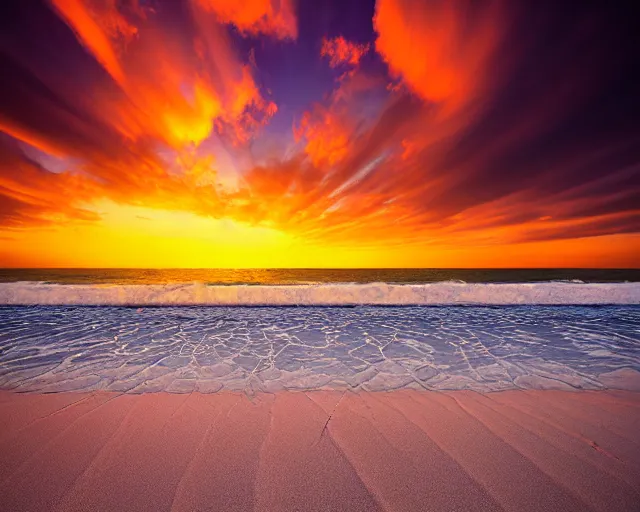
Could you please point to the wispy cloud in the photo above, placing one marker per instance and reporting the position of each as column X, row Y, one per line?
column 470, row 124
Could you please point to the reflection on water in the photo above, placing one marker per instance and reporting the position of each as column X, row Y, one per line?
column 302, row 276
column 181, row 349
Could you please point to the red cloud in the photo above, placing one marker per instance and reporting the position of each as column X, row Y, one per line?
column 330, row 127
column 342, row 52
column 461, row 161
column 440, row 49
column 167, row 90
column 326, row 135
column 270, row 17
column 102, row 28
column 30, row 195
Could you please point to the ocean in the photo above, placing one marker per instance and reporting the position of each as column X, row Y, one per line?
column 373, row 329
column 288, row 276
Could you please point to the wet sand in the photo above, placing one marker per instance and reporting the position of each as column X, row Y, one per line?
column 320, row 450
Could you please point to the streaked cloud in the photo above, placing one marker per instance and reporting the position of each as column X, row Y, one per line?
column 464, row 126
column 275, row 18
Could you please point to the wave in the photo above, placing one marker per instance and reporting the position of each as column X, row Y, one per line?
column 441, row 293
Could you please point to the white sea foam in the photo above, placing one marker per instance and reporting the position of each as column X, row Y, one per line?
column 446, row 293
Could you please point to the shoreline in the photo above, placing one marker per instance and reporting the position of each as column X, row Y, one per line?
column 321, row 450
column 327, row 294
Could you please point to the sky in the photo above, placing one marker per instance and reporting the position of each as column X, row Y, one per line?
column 346, row 133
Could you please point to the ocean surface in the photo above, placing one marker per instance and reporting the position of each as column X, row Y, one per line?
column 185, row 349
column 312, row 276
column 180, row 331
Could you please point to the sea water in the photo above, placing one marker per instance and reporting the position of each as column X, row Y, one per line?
column 376, row 348
column 252, row 330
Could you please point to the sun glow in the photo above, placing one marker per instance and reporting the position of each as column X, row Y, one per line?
column 217, row 133
column 135, row 236
column 140, row 237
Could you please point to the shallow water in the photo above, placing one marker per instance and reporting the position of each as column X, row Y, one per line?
column 182, row 349
column 326, row 294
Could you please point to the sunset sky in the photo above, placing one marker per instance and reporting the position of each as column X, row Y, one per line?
column 284, row 133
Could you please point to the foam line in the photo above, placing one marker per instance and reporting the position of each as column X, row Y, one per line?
column 30, row 293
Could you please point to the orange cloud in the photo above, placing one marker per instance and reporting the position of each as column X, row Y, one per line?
column 326, row 135
column 440, row 49
column 168, row 91
column 330, row 127
column 342, row 52
column 270, row 17
column 102, row 28
column 31, row 196
column 474, row 156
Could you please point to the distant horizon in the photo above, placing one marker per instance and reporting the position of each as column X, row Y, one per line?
column 297, row 276
column 319, row 268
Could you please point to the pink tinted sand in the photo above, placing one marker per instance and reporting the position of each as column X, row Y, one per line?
column 320, row 450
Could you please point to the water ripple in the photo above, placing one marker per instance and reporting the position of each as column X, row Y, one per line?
column 182, row 349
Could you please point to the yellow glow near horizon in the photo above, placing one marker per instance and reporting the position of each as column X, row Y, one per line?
column 139, row 237
column 172, row 147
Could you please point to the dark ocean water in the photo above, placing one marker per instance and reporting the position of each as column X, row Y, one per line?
column 305, row 276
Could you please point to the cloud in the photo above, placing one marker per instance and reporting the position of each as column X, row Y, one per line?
column 487, row 150
column 490, row 139
column 269, row 17
column 440, row 49
column 30, row 195
column 102, row 27
column 341, row 52
column 327, row 137
column 329, row 127
column 173, row 86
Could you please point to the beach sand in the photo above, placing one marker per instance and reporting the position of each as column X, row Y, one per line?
column 321, row 450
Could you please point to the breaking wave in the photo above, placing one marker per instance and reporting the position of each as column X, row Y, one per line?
column 336, row 294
